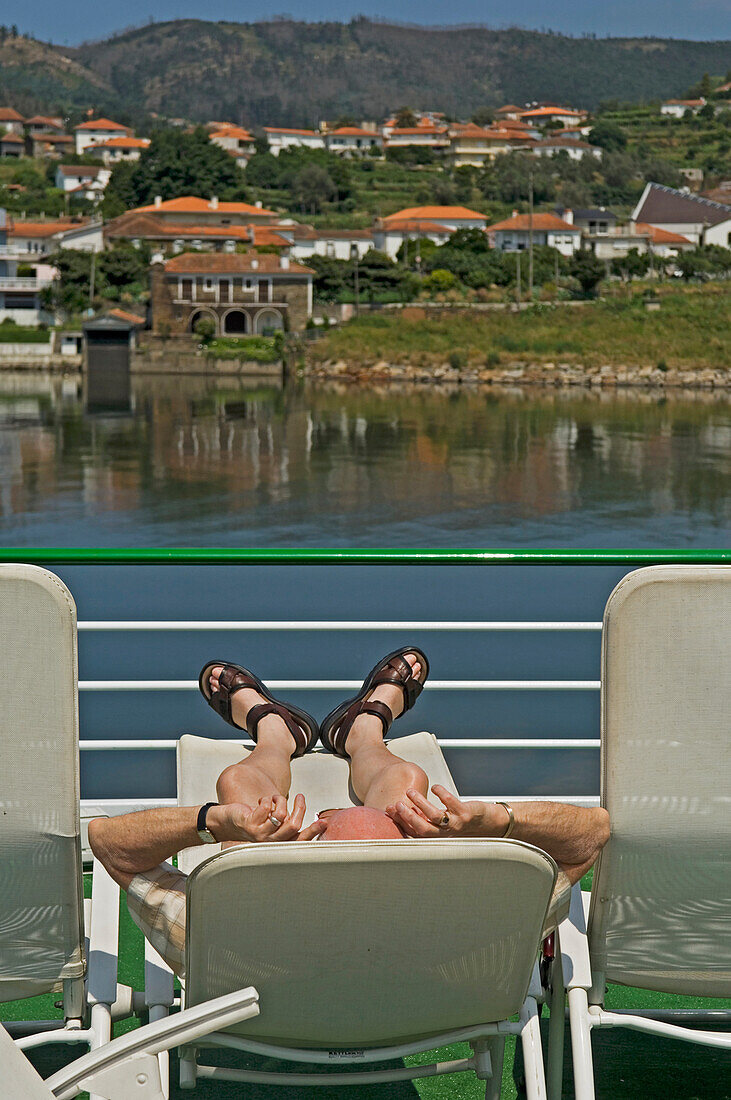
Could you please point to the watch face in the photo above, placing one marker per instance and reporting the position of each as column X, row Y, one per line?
column 206, row 836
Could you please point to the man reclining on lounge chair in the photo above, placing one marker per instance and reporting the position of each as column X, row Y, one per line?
column 253, row 796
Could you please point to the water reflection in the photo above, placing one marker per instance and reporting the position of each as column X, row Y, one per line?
column 230, row 462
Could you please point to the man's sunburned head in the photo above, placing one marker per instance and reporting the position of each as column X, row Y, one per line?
column 360, row 823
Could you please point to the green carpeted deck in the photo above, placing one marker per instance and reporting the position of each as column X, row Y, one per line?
column 628, row 1065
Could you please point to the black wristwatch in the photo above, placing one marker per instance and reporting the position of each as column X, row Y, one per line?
column 200, row 826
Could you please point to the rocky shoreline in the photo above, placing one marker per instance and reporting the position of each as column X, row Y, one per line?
column 522, row 374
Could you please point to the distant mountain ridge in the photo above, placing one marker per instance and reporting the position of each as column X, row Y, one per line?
column 286, row 72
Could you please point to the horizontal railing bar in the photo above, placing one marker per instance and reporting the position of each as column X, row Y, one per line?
column 349, row 685
column 166, row 743
column 327, row 624
column 113, row 806
column 72, row 555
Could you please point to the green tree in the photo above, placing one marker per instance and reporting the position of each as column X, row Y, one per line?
column 632, row 266
column 176, row 164
column 483, row 116
column 313, row 186
column 608, row 135
column 405, row 118
column 588, row 272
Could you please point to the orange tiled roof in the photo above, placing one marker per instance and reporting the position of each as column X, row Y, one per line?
column 123, row 143
column 123, row 315
column 660, row 236
column 42, row 120
column 540, row 222
column 435, row 213
column 414, row 225
column 508, row 107
column 54, row 139
column 231, row 263
column 44, row 229
column 546, row 112
column 9, row 114
column 15, row 138
column 290, row 130
column 102, row 124
column 353, row 131
column 428, row 129
column 191, row 204
column 683, row 102
column 232, row 132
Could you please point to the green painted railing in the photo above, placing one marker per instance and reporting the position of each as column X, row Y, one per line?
column 72, row 555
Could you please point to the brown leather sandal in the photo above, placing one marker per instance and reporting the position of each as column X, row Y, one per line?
column 233, row 678
column 393, row 669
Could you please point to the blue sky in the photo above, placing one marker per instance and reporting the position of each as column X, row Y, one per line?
column 83, row 19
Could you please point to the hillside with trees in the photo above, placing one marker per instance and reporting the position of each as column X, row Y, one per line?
column 291, row 73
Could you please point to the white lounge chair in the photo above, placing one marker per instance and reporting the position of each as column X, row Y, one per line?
column 43, row 946
column 126, row 1067
column 659, row 915
column 365, row 951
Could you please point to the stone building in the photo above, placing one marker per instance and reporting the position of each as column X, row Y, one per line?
column 242, row 293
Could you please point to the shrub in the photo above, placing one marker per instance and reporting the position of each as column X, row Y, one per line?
column 457, row 360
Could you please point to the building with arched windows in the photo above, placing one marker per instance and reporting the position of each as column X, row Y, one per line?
column 244, row 294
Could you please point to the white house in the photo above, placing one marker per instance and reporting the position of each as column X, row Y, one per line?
column 11, row 145
column 513, row 234
column 450, row 217
column 575, row 150
column 279, row 138
column 567, row 116
column 340, row 244
column 390, row 234
column 428, row 137
column 119, row 149
column 699, row 219
column 84, row 180
column 10, row 121
column 676, row 108
column 97, row 131
column 40, row 238
column 618, row 241
column 236, row 141
column 353, row 139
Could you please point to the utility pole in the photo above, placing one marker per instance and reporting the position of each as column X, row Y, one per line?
column 530, row 236
column 517, row 277
column 555, row 279
column 356, row 280
column 91, row 281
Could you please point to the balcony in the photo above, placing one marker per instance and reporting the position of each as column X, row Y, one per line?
column 24, row 283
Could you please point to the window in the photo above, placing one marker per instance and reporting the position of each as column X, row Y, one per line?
column 208, row 284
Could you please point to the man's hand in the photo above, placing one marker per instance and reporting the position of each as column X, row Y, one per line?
column 269, row 820
column 421, row 819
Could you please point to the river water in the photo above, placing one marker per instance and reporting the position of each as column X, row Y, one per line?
column 194, row 462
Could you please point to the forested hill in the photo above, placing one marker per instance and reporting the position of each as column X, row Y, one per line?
column 285, row 72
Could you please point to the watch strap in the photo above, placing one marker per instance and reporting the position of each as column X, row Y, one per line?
column 200, row 826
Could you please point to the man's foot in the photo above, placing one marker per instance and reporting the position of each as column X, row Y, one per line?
column 271, row 728
column 242, row 700
column 369, row 726
column 390, row 688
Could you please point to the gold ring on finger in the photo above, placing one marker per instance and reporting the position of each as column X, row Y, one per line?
column 275, row 821
column 444, row 822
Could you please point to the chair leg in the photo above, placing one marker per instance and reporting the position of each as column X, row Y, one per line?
column 556, row 1027
column 581, row 1044
column 188, row 1067
column 530, row 1036
column 493, row 1086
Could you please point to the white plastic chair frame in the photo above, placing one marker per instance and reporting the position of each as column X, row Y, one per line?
column 666, row 653
column 128, row 1067
column 40, row 836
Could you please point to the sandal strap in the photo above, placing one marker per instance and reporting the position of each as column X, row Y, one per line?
column 261, row 710
column 399, row 673
column 361, row 706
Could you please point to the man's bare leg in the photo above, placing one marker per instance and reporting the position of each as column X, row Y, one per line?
column 265, row 772
column 379, row 777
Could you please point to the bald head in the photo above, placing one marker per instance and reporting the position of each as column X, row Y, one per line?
column 361, row 823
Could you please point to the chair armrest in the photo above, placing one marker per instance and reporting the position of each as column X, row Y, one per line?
column 559, row 905
column 114, row 1068
column 159, row 989
column 574, row 944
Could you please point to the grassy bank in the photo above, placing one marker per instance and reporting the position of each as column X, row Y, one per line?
column 690, row 330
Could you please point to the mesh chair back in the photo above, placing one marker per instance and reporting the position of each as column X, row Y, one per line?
column 660, row 915
column 358, row 943
column 41, row 908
